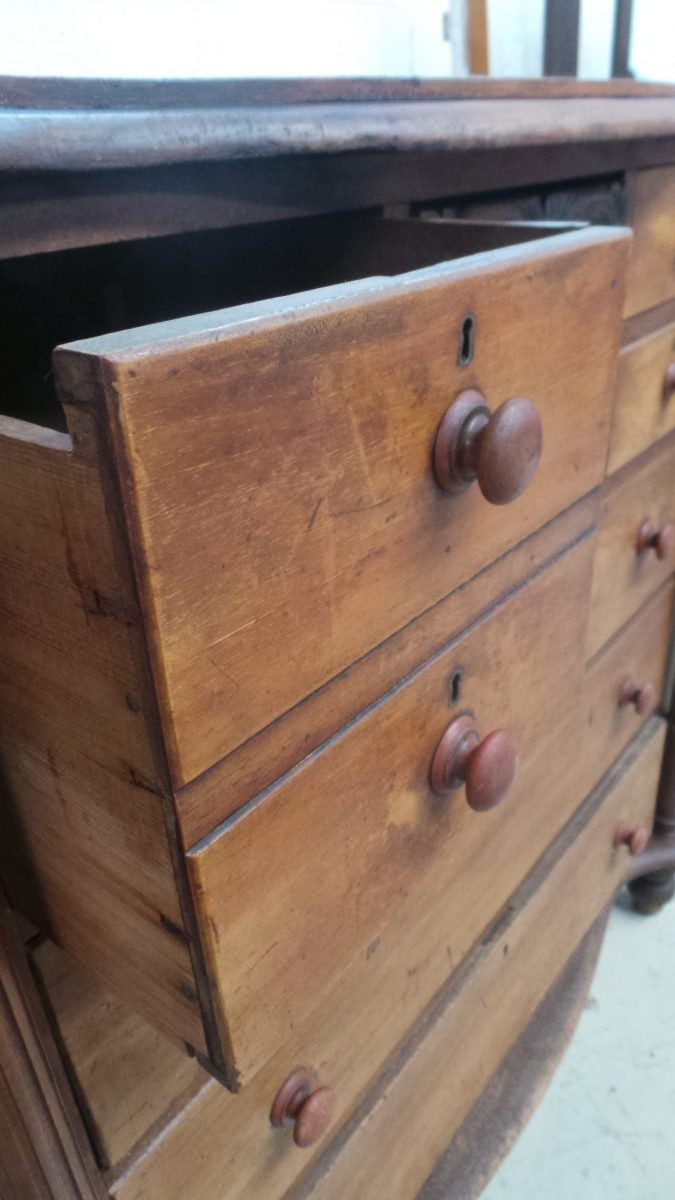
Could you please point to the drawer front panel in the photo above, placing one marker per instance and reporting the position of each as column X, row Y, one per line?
column 257, row 764
column 627, row 569
column 639, row 654
column 353, row 861
column 651, row 273
column 423, row 1098
column 644, row 409
column 277, row 471
column 422, row 1103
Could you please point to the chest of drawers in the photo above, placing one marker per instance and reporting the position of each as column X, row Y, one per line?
column 337, row 550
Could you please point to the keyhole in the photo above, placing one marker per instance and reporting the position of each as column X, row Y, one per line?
column 466, row 336
column 455, row 685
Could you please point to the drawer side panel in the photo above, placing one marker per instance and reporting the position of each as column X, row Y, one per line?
column 85, row 852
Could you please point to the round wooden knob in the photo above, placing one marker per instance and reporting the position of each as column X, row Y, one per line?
column 642, row 697
column 309, row 1107
column 486, row 767
column 635, row 839
column 660, row 540
column 501, row 449
column 669, row 381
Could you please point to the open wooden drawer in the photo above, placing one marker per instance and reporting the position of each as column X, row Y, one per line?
column 244, row 504
column 275, row 460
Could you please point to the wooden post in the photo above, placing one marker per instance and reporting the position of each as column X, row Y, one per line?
column 623, row 19
column 476, row 36
column 561, row 37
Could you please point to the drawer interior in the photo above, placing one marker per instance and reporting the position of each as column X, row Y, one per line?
column 49, row 299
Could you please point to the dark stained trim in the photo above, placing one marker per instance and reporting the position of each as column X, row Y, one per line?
column 561, row 37
column 28, row 92
column 623, row 20
column 105, row 140
column 59, row 210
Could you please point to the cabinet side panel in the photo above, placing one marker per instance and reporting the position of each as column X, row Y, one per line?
column 85, row 852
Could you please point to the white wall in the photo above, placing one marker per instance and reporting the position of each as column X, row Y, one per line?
column 223, row 37
column 308, row 37
column 596, row 37
column 653, row 43
column 516, row 38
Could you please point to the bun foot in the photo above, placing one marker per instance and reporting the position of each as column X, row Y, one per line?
column 649, row 893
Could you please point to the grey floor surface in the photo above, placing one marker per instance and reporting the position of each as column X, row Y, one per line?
column 605, row 1129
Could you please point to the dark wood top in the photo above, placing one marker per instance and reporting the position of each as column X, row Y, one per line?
column 61, row 93
column 85, row 125
column 215, row 153
column 105, row 139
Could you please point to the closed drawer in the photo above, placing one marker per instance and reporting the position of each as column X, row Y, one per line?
column 635, row 550
column 636, row 656
column 276, row 460
column 445, row 1063
column 527, row 955
column 651, row 273
column 352, row 869
column 644, row 409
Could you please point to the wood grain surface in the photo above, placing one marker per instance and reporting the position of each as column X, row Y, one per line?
column 275, row 462
column 256, row 764
column 35, row 139
column 643, row 410
column 44, row 1150
column 353, row 860
column 651, row 273
column 513, row 1092
column 127, row 1076
column 447, row 1071
column 638, row 651
column 228, row 1137
column 85, row 851
column 52, row 210
column 622, row 578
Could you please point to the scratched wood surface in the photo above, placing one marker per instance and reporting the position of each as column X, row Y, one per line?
column 275, row 464
column 85, row 851
column 622, row 578
column 256, row 764
column 360, row 861
column 518, row 966
column 192, row 1158
column 362, row 864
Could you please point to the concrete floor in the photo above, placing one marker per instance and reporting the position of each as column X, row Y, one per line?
column 605, row 1129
